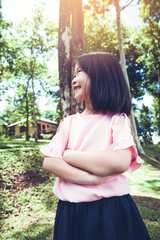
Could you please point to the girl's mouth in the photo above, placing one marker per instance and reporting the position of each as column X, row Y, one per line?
column 76, row 88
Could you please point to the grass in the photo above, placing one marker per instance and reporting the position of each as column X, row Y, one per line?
column 28, row 205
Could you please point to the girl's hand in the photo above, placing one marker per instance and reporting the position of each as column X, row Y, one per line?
column 99, row 180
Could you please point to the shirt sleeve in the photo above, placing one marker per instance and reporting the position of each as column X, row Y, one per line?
column 123, row 139
column 59, row 142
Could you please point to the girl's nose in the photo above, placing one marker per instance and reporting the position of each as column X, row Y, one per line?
column 74, row 81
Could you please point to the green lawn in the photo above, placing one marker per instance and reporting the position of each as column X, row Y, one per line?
column 28, row 206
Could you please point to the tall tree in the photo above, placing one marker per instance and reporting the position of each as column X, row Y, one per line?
column 34, row 42
column 70, row 45
column 146, row 123
column 100, row 8
column 123, row 65
column 150, row 37
column 64, row 56
column 147, row 42
column 77, row 45
column 156, row 113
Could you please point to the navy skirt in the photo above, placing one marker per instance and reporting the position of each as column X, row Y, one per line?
column 115, row 218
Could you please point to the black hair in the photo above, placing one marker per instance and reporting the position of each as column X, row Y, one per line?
column 109, row 91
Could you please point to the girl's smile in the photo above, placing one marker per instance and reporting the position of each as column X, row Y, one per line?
column 81, row 84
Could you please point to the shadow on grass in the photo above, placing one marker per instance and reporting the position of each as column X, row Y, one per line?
column 153, row 185
column 153, row 203
column 152, row 155
column 150, row 212
column 5, row 147
column 36, row 231
column 148, row 159
column 14, row 144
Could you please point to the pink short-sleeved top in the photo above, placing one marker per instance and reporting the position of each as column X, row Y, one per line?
column 92, row 133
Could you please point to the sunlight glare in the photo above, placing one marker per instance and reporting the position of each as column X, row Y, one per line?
column 17, row 10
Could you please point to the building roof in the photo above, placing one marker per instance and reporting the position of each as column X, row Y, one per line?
column 46, row 120
column 38, row 119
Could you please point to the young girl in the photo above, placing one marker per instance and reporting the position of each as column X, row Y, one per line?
column 89, row 154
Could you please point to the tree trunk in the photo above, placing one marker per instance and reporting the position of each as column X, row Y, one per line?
column 123, row 65
column 77, row 46
column 34, row 102
column 27, row 122
column 64, row 56
column 27, row 112
column 34, row 114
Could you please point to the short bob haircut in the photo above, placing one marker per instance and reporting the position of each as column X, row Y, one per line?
column 109, row 91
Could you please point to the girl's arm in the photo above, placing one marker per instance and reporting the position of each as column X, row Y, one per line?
column 105, row 163
column 62, row 169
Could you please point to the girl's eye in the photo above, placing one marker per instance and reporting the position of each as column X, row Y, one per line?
column 78, row 71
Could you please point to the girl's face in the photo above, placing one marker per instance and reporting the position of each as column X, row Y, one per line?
column 81, row 84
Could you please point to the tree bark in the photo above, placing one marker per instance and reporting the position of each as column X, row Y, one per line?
column 34, row 102
column 27, row 112
column 77, row 46
column 64, row 56
column 123, row 65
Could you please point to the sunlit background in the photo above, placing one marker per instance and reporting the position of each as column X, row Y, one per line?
column 16, row 10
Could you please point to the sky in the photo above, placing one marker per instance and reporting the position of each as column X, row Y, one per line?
column 16, row 10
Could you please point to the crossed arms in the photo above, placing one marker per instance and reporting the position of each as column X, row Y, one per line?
column 89, row 167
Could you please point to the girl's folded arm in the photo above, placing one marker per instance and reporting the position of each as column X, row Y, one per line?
column 104, row 163
column 65, row 171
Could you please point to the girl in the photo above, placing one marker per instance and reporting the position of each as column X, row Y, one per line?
column 89, row 155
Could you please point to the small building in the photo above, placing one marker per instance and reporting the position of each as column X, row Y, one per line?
column 45, row 126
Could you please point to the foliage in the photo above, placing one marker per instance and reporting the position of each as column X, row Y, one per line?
column 49, row 114
column 145, row 120
column 146, row 42
column 100, row 33
column 156, row 113
column 135, row 69
column 7, row 52
column 148, row 39
column 33, row 43
column 100, row 29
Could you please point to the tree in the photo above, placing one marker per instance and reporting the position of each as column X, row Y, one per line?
column 135, row 70
column 77, row 45
column 100, row 36
column 70, row 45
column 123, row 65
column 145, row 123
column 100, row 33
column 36, row 40
column 150, row 38
column 148, row 44
column 100, row 7
column 156, row 114
column 7, row 53
column 64, row 56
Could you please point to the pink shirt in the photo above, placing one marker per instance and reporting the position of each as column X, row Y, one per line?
column 92, row 133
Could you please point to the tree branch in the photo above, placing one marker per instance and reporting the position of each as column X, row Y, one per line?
column 127, row 4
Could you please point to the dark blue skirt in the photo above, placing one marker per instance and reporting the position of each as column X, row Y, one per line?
column 115, row 218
